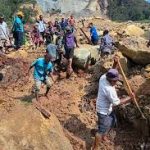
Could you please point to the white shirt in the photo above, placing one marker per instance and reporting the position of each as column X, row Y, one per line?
column 107, row 97
column 4, row 32
column 41, row 26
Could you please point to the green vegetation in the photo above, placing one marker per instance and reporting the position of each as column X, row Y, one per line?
column 9, row 7
column 129, row 10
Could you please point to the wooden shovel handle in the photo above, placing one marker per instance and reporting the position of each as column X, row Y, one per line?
column 130, row 90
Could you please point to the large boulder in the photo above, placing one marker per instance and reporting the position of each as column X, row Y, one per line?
column 108, row 62
column 133, row 30
column 135, row 49
column 81, row 58
column 25, row 128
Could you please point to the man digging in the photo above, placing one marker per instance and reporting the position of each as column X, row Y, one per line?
column 106, row 100
column 43, row 68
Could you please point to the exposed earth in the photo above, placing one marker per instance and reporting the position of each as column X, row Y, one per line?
column 71, row 102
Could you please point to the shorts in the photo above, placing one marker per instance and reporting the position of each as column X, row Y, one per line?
column 106, row 122
column 69, row 53
column 38, row 83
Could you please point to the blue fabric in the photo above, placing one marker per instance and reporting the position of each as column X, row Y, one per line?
column 63, row 25
column 18, row 36
column 41, row 68
column 106, row 122
column 94, row 34
column 18, row 25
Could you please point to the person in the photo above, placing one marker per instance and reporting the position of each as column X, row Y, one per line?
column 106, row 46
column 41, row 26
column 43, row 68
column 107, row 99
column 93, row 34
column 36, row 36
column 59, row 40
column 69, row 45
column 72, row 23
column 4, row 35
column 63, row 24
column 57, row 56
column 18, row 30
column 49, row 33
column 57, row 26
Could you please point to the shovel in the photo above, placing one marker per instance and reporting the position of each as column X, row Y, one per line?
column 130, row 90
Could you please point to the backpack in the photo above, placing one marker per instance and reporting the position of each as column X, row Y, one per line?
column 69, row 41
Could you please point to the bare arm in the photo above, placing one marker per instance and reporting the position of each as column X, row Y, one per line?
column 125, row 100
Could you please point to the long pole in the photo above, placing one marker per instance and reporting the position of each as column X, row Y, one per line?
column 130, row 90
column 86, row 36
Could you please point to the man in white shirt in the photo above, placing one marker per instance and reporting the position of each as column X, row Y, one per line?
column 41, row 26
column 4, row 33
column 107, row 98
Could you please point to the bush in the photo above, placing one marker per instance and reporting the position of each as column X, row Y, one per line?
column 9, row 7
column 128, row 10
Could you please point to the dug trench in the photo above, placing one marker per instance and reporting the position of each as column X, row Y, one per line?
column 72, row 101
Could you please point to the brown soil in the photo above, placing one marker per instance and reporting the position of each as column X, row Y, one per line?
column 71, row 100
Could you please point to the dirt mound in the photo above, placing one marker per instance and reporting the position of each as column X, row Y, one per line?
column 14, row 72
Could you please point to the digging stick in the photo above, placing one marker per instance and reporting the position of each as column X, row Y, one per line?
column 43, row 111
column 130, row 90
column 86, row 36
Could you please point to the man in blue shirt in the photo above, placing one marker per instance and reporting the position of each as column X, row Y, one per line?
column 42, row 69
column 18, row 30
column 94, row 34
column 63, row 24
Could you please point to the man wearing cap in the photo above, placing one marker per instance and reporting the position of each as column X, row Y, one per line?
column 18, row 30
column 106, row 100
column 4, row 34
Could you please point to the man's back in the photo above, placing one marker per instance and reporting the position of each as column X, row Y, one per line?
column 18, row 24
column 93, row 32
column 52, row 50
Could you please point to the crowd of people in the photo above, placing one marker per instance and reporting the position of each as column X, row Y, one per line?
column 43, row 33
column 59, row 39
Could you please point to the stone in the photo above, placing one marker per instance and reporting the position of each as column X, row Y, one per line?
column 135, row 48
column 81, row 58
column 133, row 30
column 109, row 62
column 25, row 128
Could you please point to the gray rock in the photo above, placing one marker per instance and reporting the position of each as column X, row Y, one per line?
column 81, row 58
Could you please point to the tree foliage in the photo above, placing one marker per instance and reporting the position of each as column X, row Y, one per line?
column 128, row 10
column 9, row 7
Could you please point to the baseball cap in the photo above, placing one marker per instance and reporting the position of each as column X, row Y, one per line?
column 112, row 74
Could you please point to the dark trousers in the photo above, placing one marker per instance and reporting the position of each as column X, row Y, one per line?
column 18, row 36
